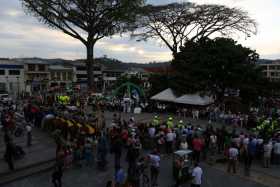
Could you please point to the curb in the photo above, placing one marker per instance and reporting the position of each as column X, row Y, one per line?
column 30, row 170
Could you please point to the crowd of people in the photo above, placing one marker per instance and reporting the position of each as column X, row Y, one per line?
column 85, row 140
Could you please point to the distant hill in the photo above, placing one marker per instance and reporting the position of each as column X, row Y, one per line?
column 116, row 64
column 264, row 61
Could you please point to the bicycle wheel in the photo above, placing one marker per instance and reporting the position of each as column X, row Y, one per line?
column 145, row 181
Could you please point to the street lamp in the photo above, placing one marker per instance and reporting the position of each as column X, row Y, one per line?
column 18, row 87
column 7, row 80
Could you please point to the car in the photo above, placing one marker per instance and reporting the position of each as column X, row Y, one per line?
column 4, row 98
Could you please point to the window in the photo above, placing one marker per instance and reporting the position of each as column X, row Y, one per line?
column 2, row 72
column 52, row 75
column 31, row 67
column 70, row 76
column 41, row 67
column 58, row 76
column 96, row 68
column 81, row 68
column 81, row 76
column 272, row 67
column 14, row 72
column 64, row 76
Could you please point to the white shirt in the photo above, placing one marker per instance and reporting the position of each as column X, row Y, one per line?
column 197, row 174
column 155, row 160
column 184, row 145
column 233, row 153
column 28, row 128
column 276, row 148
column 213, row 139
column 246, row 141
column 170, row 137
column 267, row 150
column 152, row 131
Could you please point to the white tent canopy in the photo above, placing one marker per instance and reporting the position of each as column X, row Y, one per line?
column 166, row 95
column 188, row 99
column 194, row 99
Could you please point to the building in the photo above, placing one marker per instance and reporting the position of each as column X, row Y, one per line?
column 61, row 76
column 11, row 77
column 36, row 74
column 271, row 69
column 103, row 76
column 110, row 76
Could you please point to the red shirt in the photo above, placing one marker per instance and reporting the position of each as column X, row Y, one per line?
column 197, row 144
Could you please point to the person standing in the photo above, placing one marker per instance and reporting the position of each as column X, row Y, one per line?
column 232, row 158
column 197, row 176
column 88, row 153
column 119, row 177
column 155, row 164
column 267, row 148
column 170, row 137
column 250, row 153
column 9, row 155
column 276, row 152
column 117, row 150
column 197, row 148
column 29, row 134
column 56, row 176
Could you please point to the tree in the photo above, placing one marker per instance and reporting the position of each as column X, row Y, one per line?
column 176, row 23
column 156, row 81
column 216, row 65
column 85, row 20
column 125, row 78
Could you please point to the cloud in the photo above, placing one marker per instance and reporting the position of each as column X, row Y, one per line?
column 22, row 35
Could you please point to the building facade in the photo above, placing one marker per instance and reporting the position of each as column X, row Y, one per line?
column 61, row 76
column 36, row 74
column 271, row 70
column 11, row 77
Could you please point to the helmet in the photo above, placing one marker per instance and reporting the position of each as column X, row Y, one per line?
column 170, row 118
column 181, row 122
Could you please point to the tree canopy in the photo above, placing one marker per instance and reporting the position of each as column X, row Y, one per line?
column 217, row 65
column 85, row 20
column 176, row 23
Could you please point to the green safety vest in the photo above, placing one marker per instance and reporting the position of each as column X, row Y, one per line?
column 155, row 122
column 169, row 124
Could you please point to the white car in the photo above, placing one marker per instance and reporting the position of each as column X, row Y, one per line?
column 5, row 98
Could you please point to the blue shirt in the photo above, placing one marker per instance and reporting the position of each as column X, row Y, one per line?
column 120, row 176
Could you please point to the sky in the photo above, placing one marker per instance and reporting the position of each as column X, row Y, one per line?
column 22, row 35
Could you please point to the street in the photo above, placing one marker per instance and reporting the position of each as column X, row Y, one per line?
column 89, row 177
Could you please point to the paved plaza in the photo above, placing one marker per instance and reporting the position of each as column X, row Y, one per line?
column 43, row 150
column 89, row 177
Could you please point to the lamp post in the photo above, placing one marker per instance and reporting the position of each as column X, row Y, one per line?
column 7, row 81
column 18, row 87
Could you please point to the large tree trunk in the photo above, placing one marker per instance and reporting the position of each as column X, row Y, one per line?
column 89, row 63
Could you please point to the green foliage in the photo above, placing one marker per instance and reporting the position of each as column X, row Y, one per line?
column 176, row 23
column 86, row 20
column 159, row 82
column 124, row 79
column 216, row 65
column 266, row 128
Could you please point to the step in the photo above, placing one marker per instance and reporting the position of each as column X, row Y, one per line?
column 26, row 172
